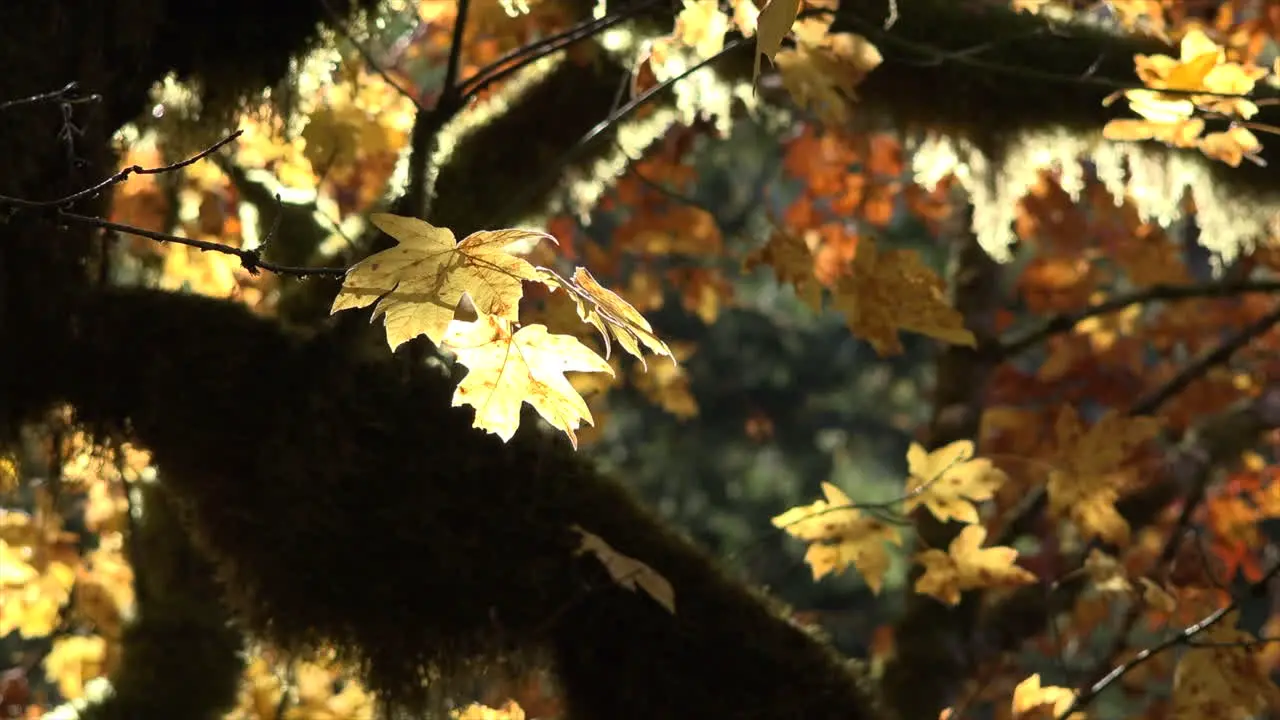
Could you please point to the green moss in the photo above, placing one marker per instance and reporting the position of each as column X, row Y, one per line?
column 347, row 502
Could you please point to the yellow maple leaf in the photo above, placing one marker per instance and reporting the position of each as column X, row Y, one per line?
column 1222, row 678
column 822, row 75
column 418, row 283
column 792, row 262
column 1197, row 56
column 894, row 290
column 511, row 710
column 1232, row 146
column 840, row 537
column 627, row 571
column 950, row 480
column 1084, row 482
column 772, row 25
column 1032, row 701
column 608, row 313
column 506, row 369
column 968, row 566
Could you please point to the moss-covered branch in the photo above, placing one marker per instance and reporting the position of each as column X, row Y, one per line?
column 352, row 504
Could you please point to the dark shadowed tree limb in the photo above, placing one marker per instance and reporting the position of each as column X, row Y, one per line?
column 352, row 504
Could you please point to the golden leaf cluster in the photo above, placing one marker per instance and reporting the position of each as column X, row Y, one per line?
column 1169, row 102
column 417, row 287
column 947, row 482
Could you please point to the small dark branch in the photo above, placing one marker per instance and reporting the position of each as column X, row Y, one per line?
column 1065, row 322
column 68, row 92
column 250, row 259
column 455, row 48
column 1206, row 362
column 116, row 179
column 1025, row 514
column 1184, row 637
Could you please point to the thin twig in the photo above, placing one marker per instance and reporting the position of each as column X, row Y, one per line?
column 1184, row 637
column 250, row 259
column 1065, row 322
column 117, row 179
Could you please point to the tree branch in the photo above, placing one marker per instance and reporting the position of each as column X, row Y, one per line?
column 475, row 556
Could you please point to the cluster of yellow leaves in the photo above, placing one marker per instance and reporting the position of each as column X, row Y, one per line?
column 966, row 565
column 1088, row 471
column 947, row 482
column 884, row 292
column 418, row 284
column 841, row 536
column 1168, row 103
column 627, row 571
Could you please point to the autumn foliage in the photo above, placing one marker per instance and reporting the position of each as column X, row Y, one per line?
column 1115, row 464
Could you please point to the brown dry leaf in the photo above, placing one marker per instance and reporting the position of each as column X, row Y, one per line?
column 418, row 283
column 1084, row 484
column 822, row 72
column 506, row 369
column 1231, row 146
column 968, row 566
column 792, row 262
column 608, row 313
column 950, row 480
column 1222, row 679
column 627, row 571
column 891, row 291
column 840, row 537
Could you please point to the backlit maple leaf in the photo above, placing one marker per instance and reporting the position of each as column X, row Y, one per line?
column 418, row 283
column 949, row 480
column 840, row 537
column 506, row 369
column 891, row 291
column 966, row 565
